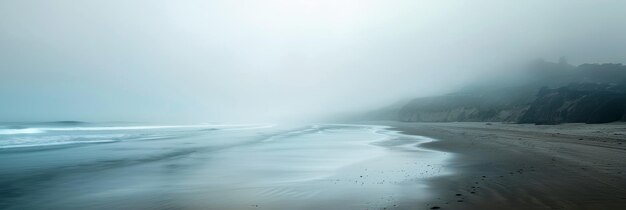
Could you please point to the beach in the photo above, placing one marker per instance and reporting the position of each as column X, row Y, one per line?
column 525, row 166
column 368, row 165
column 317, row 166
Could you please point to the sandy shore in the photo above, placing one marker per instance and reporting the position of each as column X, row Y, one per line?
column 321, row 166
column 512, row 166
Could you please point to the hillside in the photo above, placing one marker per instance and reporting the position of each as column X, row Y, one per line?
column 550, row 93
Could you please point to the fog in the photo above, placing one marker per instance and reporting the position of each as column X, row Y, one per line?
column 252, row 61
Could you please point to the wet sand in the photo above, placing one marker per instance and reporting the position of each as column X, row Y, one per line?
column 512, row 166
column 302, row 167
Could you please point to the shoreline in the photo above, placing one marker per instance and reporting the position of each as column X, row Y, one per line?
column 299, row 167
column 521, row 166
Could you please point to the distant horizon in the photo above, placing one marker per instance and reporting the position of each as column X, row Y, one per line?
column 327, row 117
column 276, row 60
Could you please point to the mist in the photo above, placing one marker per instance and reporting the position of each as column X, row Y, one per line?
column 251, row 61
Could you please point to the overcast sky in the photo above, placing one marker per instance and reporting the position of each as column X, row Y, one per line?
column 268, row 60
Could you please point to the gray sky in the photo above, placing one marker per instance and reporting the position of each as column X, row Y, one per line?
column 269, row 60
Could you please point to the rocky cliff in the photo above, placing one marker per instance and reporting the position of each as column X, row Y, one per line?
column 552, row 93
column 577, row 103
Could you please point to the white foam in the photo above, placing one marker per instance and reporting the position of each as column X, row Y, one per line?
column 20, row 131
column 54, row 144
column 114, row 128
column 17, row 138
